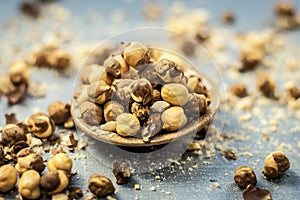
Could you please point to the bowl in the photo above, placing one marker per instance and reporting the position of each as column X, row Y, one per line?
column 159, row 42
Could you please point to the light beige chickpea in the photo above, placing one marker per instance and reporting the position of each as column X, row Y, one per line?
column 175, row 94
column 173, row 118
column 127, row 125
column 29, row 185
column 54, row 182
column 60, row 161
column 8, row 178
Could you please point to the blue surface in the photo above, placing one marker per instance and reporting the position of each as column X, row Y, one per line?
column 195, row 184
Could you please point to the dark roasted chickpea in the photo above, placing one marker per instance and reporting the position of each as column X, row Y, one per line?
column 101, row 185
column 276, row 163
column 121, row 172
column 244, row 176
column 169, row 71
column 59, row 112
column 139, row 111
column 12, row 134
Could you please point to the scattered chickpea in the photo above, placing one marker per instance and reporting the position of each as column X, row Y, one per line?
column 30, row 162
column 41, row 125
column 12, row 134
column 276, row 163
column 60, row 161
column 101, row 185
column 244, row 176
column 8, row 178
column 29, row 185
column 59, row 112
column 54, row 182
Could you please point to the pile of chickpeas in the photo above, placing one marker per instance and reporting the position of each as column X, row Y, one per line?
column 137, row 92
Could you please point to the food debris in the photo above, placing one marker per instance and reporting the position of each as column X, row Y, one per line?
column 137, row 187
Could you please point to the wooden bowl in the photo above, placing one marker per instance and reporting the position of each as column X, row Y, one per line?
column 114, row 138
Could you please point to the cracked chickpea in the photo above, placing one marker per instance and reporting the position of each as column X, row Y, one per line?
column 169, row 71
column 112, row 110
column 100, row 185
column 8, row 178
column 175, row 94
column 276, row 163
column 134, row 53
column 99, row 92
column 116, row 66
column 54, row 182
column 127, row 125
column 29, row 185
column 41, row 125
column 139, row 111
column 141, row 91
column 173, row 118
column 60, row 161
column 30, row 162
column 12, row 134
column 244, row 176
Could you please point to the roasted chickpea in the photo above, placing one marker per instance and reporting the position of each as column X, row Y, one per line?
column 60, row 161
column 29, row 185
column 8, row 178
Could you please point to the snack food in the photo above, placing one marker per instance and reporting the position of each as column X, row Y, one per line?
column 129, row 91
